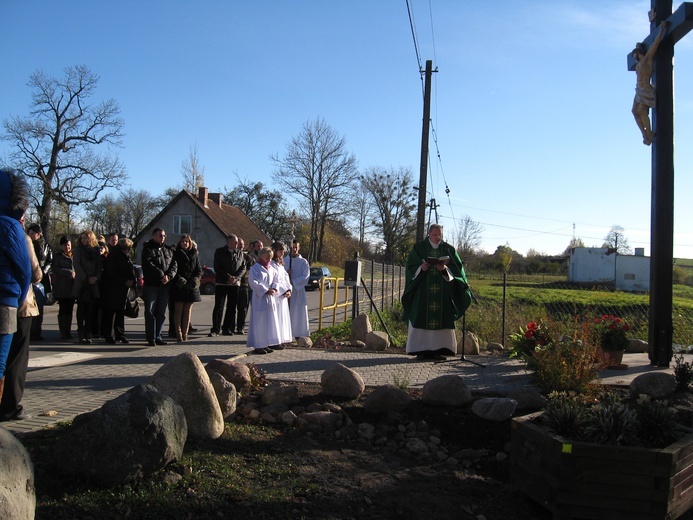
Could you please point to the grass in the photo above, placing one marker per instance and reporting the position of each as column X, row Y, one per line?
column 242, row 470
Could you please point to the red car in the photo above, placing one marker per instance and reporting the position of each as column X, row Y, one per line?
column 209, row 277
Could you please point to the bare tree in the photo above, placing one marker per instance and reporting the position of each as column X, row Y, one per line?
column 126, row 215
column 360, row 207
column 55, row 147
column 193, row 172
column 317, row 170
column 616, row 239
column 469, row 236
column 393, row 209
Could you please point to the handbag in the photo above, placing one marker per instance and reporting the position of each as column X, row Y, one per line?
column 132, row 305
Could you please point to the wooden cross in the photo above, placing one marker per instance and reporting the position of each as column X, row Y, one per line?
column 662, row 199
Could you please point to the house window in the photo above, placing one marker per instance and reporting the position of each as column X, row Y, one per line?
column 182, row 224
column 629, row 276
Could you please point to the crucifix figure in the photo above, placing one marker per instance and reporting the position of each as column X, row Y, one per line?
column 666, row 29
column 644, row 91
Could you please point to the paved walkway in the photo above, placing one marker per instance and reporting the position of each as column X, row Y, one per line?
column 91, row 378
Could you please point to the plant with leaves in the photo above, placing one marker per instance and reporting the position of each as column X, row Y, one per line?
column 612, row 332
column 528, row 339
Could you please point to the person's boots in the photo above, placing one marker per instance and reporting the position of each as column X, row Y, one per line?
column 65, row 324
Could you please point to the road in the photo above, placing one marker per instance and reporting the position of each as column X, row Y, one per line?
column 55, row 351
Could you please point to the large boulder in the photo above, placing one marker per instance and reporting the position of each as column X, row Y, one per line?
column 360, row 327
column 280, row 393
column 657, row 385
column 236, row 373
column 17, row 491
column 449, row 390
column 341, row 381
column 226, row 394
column 496, row 409
column 471, row 344
column 388, row 398
column 184, row 379
column 135, row 434
column 377, row 340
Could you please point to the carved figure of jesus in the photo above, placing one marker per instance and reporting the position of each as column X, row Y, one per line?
column 644, row 91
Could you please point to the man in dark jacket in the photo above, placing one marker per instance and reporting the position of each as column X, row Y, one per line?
column 158, row 269
column 229, row 265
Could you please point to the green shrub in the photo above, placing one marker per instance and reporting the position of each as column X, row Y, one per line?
column 567, row 366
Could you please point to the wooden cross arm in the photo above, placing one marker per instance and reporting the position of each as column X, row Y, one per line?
column 678, row 25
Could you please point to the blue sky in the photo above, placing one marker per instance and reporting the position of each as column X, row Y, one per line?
column 530, row 105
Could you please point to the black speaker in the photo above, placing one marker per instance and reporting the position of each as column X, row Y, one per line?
column 352, row 273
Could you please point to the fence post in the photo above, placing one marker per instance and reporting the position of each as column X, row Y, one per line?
column 372, row 284
column 505, row 286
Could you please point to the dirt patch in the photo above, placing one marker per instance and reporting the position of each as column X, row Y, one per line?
column 369, row 481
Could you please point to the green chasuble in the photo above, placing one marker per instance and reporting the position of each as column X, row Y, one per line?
column 429, row 300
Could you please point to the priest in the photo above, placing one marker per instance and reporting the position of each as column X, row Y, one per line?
column 436, row 295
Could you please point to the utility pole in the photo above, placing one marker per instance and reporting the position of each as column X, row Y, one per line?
column 421, row 208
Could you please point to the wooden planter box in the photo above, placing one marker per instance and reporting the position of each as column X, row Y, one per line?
column 595, row 481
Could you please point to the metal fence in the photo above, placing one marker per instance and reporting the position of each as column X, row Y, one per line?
column 383, row 285
column 504, row 305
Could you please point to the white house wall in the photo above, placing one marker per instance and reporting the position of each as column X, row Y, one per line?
column 633, row 273
column 207, row 236
column 591, row 264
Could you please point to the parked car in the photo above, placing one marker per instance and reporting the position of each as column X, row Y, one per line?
column 139, row 279
column 207, row 280
column 316, row 276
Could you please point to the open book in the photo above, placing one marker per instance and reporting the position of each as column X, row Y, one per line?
column 433, row 260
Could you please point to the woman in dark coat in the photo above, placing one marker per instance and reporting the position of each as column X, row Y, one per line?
column 63, row 278
column 185, row 289
column 118, row 278
column 86, row 258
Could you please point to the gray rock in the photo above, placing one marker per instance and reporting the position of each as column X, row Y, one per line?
column 495, row 409
column 133, row 435
column 449, row 390
column 417, row 446
column 185, row 380
column 366, row 431
column 280, row 393
column 320, row 421
column 360, row 327
column 288, row 418
column 492, row 346
column 340, row 381
column 17, row 491
column 226, row 394
column 236, row 373
column 471, row 344
column 385, row 399
column 657, row 385
column 358, row 344
column 377, row 340
column 304, row 342
column 528, row 398
column 637, row 346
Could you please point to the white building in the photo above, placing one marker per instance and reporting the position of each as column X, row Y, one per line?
column 601, row 264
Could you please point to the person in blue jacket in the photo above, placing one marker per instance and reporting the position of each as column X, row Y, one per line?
column 15, row 264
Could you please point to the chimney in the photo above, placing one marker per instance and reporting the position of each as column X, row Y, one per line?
column 202, row 193
column 216, row 198
column 639, row 251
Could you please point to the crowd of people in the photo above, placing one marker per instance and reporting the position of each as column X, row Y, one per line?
column 96, row 275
